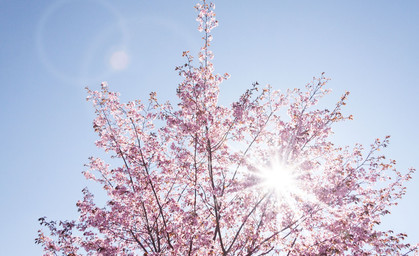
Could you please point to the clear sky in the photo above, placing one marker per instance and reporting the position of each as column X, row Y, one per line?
column 50, row 50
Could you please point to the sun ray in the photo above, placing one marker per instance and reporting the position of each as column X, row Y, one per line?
column 285, row 181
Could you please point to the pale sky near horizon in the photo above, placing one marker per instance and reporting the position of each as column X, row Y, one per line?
column 50, row 50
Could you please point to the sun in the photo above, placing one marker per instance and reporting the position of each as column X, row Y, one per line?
column 279, row 177
column 286, row 183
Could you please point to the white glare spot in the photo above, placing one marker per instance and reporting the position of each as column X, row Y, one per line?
column 118, row 60
column 279, row 177
column 286, row 182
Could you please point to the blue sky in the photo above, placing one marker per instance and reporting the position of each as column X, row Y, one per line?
column 51, row 50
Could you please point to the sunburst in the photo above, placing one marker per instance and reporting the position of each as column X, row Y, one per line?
column 284, row 181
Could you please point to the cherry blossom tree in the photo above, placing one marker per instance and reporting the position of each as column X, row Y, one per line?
column 260, row 177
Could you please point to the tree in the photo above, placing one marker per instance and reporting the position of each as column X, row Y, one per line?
column 260, row 177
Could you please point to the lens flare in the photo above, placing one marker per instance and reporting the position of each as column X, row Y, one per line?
column 119, row 60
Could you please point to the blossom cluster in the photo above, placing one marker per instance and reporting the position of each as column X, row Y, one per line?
column 192, row 177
